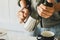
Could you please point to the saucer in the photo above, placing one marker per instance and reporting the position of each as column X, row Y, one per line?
column 54, row 39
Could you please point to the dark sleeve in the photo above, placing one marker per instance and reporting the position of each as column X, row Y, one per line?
column 28, row 4
column 19, row 3
column 57, row 1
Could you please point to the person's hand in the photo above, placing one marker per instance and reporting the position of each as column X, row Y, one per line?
column 23, row 3
column 22, row 15
column 45, row 11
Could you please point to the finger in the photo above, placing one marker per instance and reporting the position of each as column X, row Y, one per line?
column 47, row 13
column 43, row 6
column 19, row 12
column 20, row 15
column 44, row 15
column 21, row 21
column 26, row 12
column 41, row 10
column 49, row 9
column 23, row 3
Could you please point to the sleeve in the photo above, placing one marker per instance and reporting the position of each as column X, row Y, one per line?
column 27, row 1
column 19, row 3
column 57, row 1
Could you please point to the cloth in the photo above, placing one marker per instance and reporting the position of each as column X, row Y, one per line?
column 53, row 20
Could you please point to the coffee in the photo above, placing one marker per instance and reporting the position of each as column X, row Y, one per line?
column 47, row 33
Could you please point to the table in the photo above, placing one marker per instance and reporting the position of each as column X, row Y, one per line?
column 16, row 35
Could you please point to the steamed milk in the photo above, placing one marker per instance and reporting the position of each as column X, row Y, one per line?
column 47, row 33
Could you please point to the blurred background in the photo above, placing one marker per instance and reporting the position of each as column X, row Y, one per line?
column 8, row 15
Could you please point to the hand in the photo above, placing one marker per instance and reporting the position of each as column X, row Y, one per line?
column 22, row 15
column 45, row 11
column 23, row 3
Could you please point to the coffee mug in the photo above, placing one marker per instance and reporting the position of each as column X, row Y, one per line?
column 46, row 35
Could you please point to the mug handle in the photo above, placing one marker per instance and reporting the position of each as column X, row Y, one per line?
column 39, row 37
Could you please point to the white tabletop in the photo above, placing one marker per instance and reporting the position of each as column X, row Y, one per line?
column 19, row 36
column 15, row 35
